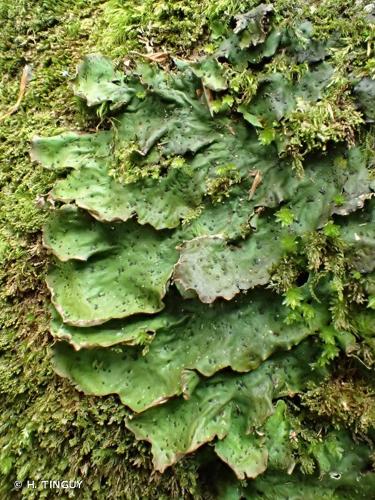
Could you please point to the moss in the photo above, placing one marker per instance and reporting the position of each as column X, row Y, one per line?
column 152, row 26
column 130, row 164
column 219, row 187
column 346, row 400
column 319, row 265
column 334, row 119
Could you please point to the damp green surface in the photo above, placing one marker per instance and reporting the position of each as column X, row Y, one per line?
column 246, row 92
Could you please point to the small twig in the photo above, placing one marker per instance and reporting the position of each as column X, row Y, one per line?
column 231, row 129
column 25, row 78
column 158, row 57
column 257, row 180
column 209, row 98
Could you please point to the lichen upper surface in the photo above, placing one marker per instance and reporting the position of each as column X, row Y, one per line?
column 147, row 207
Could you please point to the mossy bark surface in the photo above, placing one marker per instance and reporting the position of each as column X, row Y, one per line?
column 258, row 152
